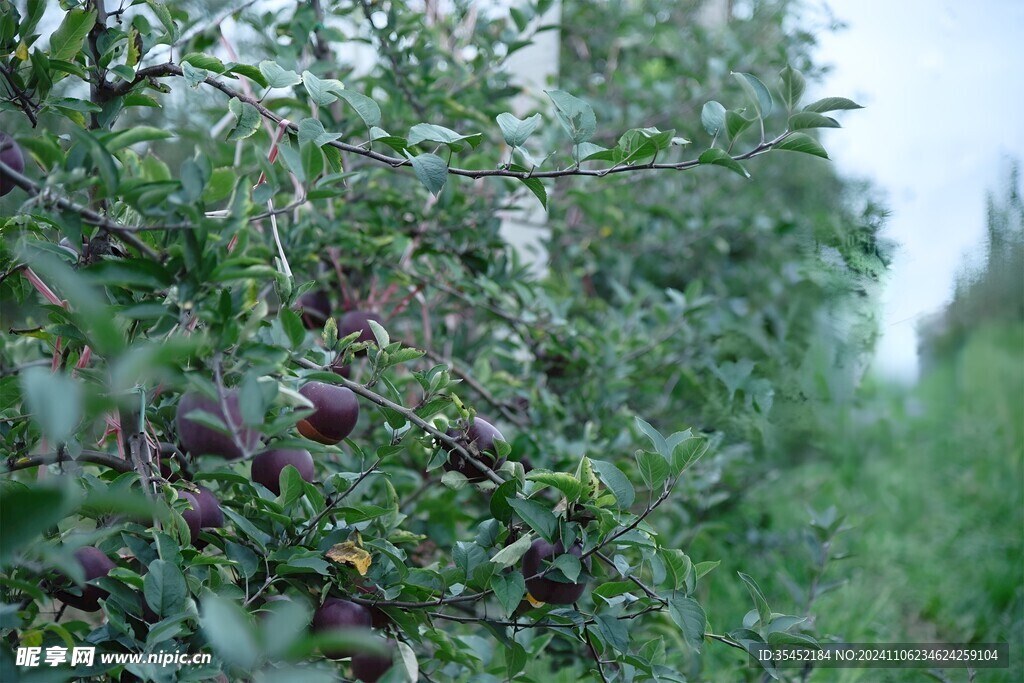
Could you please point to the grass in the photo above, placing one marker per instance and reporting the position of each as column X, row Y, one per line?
column 931, row 480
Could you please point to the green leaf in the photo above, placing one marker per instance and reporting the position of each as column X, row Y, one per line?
column 431, row 170
column 805, row 144
column 277, row 76
column 653, row 469
column 712, row 117
column 614, row 632
column 428, row 132
column 810, row 119
column 193, row 76
column 164, row 588
column 537, row 188
column 793, row 85
column 164, row 16
column 677, row 566
column 778, row 638
column 516, row 132
column 569, row 565
column 717, row 157
column 292, row 160
column 312, row 131
column 247, row 119
column 832, row 104
column 54, row 401
column 566, row 483
column 736, row 123
column 312, row 160
column 763, row 611
column 576, row 116
column 321, row 91
column 757, row 92
column 293, row 327
column 537, row 517
column 654, row 435
column 101, row 158
column 702, row 568
column 616, row 481
column 687, row 452
column 202, row 60
column 66, row 41
column 229, row 632
column 291, row 484
column 690, row 617
column 500, row 508
column 509, row 589
column 367, row 109
column 27, row 511
column 248, row 71
column 134, row 135
column 512, row 553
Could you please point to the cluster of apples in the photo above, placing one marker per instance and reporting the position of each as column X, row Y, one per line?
column 335, row 414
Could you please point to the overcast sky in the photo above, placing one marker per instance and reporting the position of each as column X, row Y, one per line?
column 944, row 93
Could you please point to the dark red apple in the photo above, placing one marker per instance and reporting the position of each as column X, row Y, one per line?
column 357, row 321
column 337, row 412
column 481, row 437
column 542, row 588
column 211, row 516
column 369, row 668
column 194, row 516
column 10, row 155
column 267, row 466
column 94, row 563
column 315, row 308
column 198, row 439
column 340, row 614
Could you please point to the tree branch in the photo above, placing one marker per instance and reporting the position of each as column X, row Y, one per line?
column 452, row 442
column 170, row 69
column 87, row 456
column 90, row 216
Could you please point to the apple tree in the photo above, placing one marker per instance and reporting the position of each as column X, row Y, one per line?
column 274, row 388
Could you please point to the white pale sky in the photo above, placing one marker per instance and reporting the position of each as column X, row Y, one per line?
column 942, row 83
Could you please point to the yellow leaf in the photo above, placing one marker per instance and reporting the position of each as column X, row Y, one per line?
column 22, row 51
column 351, row 554
column 533, row 601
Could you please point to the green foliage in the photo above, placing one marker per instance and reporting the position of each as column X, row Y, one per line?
column 171, row 234
column 989, row 292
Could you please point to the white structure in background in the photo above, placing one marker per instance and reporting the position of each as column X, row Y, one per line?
column 534, row 69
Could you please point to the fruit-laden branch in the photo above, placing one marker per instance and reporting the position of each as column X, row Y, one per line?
column 90, row 216
column 411, row 416
column 170, row 69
